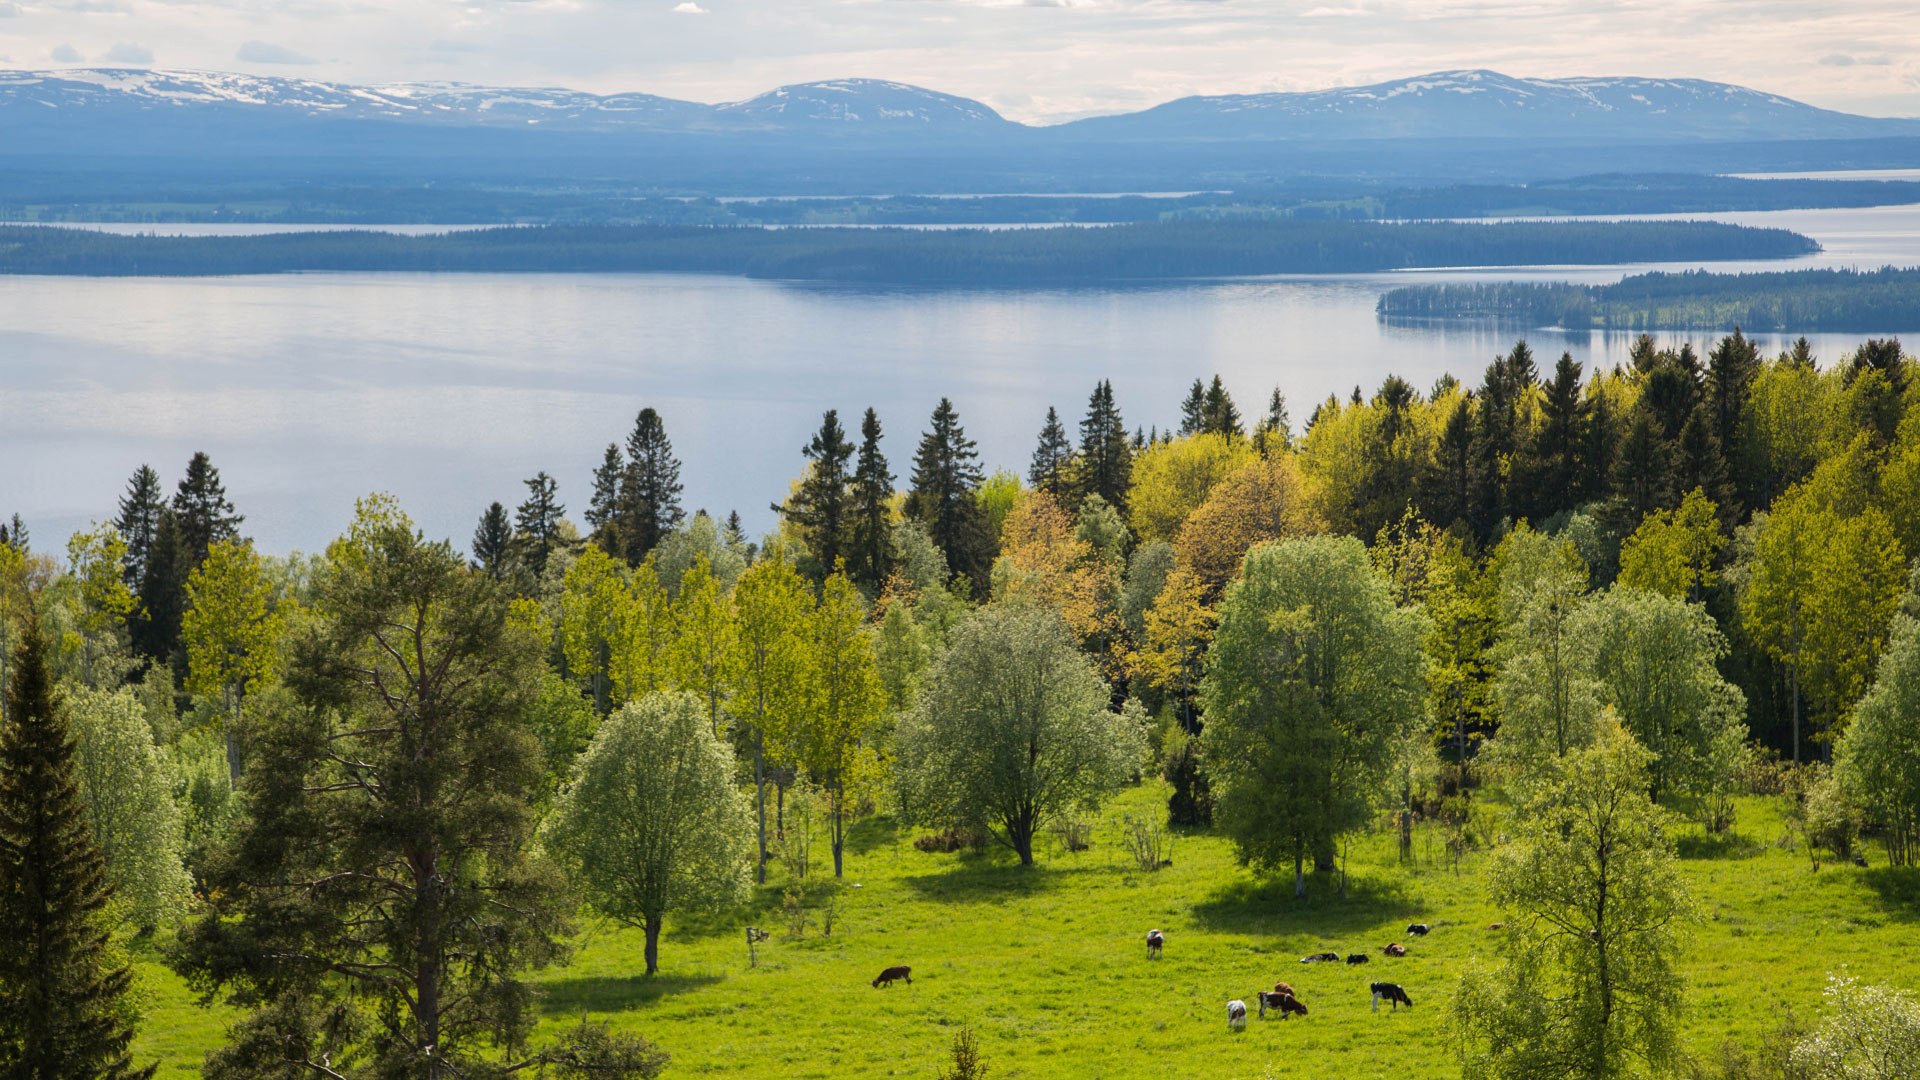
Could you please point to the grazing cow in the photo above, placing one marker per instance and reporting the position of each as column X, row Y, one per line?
column 1357, row 958
column 1283, row 988
column 1285, row 1004
column 1419, row 929
column 1394, row 948
column 1859, row 860
column 1236, row 1015
column 1155, row 940
column 1395, row 996
column 1496, row 926
column 1321, row 958
column 886, row 977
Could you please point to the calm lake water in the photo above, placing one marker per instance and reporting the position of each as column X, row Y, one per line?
column 311, row 389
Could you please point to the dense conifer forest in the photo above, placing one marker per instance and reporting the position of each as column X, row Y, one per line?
column 1794, row 301
column 967, row 256
column 1582, row 671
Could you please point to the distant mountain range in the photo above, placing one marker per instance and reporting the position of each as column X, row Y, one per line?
column 1449, row 104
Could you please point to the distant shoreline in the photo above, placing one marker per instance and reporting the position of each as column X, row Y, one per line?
column 1127, row 252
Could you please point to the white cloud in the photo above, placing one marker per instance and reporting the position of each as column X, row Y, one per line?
column 689, row 8
column 262, row 52
column 127, row 52
column 9, row 11
column 64, row 54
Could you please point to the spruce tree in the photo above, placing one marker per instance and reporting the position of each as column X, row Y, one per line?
column 650, row 491
column 538, row 520
column 871, row 557
column 1193, row 411
column 1220, row 416
column 61, row 1005
column 1550, row 472
column 1447, row 489
column 1600, row 445
column 492, row 540
column 820, row 506
column 946, row 476
column 1052, row 470
column 14, row 535
column 1275, row 423
column 1105, row 463
column 1800, row 355
column 202, row 512
column 163, row 593
column 139, row 516
column 603, row 508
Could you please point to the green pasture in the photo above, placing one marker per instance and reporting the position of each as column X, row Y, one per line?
column 1048, row 964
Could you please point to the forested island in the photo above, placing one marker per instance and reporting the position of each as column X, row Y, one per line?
column 1532, row 689
column 1799, row 301
column 1146, row 251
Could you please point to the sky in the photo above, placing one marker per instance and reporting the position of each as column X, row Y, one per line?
column 1034, row 60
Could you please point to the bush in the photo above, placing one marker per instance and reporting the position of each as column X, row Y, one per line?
column 1192, row 799
column 1150, row 843
column 951, row 840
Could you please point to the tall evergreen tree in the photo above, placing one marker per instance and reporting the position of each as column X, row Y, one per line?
column 1275, row 423
column 492, row 540
column 871, row 557
column 1601, row 443
column 1550, row 472
column 1497, row 433
column 1800, row 355
column 650, row 491
column 820, row 505
column 1105, row 462
column 603, row 508
column 1732, row 365
column 61, row 1011
column 1643, row 473
column 946, row 474
column 1052, row 469
column 139, row 516
column 1447, row 489
column 1221, row 418
column 1193, row 411
column 14, row 534
column 538, row 520
column 202, row 512
column 163, row 593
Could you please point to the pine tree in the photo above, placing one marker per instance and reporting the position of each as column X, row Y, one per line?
column 871, row 558
column 1551, row 471
column 946, row 474
column 1052, row 468
column 820, row 506
column 139, row 516
column 492, row 539
column 650, row 491
column 1193, row 411
column 538, row 520
column 1105, row 464
column 163, row 593
column 14, row 535
column 1800, row 356
column 61, row 1011
column 1643, row 472
column 1221, row 418
column 1601, row 444
column 1447, row 490
column 1496, row 435
column 202, row 512
column 603, row 508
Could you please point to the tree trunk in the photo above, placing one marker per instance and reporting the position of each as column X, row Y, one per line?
column 839, row 831
column 1299, row 876
column 760, row 800
column 653, row 943
column 1793, row 689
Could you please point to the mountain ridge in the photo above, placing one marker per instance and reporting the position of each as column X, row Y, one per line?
column 1471, row 103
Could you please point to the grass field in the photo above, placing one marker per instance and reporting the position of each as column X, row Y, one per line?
column 1049, row 967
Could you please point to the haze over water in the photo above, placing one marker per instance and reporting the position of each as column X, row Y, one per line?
column 310, row 390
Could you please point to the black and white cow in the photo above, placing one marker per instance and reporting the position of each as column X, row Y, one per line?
column 1419, row 929
column 1283, row 1003
column 1321, row 958
column 1236, row 1015
column 1155, row 941
column 1395, row 997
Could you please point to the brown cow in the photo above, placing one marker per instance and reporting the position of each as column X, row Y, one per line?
column 1394, row 948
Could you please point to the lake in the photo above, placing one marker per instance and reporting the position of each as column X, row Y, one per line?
column 309, row 390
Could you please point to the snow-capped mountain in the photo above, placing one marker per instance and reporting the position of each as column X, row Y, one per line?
column 1487, row 104
column 866, row 102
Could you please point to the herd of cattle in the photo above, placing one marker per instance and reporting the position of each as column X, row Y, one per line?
column 1280, row 999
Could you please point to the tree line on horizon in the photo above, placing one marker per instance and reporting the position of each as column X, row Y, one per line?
column 1634, row 588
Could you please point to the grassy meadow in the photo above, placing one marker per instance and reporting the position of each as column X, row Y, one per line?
column 1049, row 966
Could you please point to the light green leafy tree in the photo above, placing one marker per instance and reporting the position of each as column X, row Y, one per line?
column 1012, row 727
column 1587, row 987
column 651, row 822
column 703, row 639
column 1878, row 759
column 130, row 806
column 594, row 600
column 1869, row 1033
column 1655, row 660
column 843, row 705
column 1544, row 688
column 231, row 629
column 95, row 561
column 1314, row 676
column 900, row 653
column 1673, row 551
column 767, row 670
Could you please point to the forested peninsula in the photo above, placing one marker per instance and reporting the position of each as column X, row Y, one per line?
column 1795, row 300
column 1144, row 251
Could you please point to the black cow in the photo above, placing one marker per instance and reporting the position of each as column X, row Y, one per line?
column 1356, row 958
column 886, row 977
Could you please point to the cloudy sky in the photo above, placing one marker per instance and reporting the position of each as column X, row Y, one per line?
column 1032, row 59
